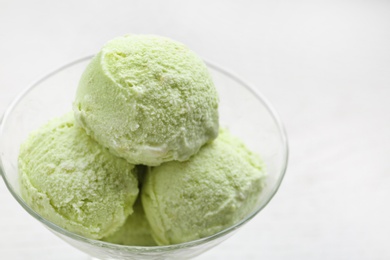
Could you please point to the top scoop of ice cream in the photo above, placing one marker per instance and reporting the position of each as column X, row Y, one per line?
column 74, row 182
column 213, row 190
column 148, row 99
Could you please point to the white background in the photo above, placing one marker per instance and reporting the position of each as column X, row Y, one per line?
column 325, row 65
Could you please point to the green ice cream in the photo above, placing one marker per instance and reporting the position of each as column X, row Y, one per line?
column 74, row 182
column 148, row 99
column 213, row 190
column 136, row 230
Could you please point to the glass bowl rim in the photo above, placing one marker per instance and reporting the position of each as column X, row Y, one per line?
column 151, row 249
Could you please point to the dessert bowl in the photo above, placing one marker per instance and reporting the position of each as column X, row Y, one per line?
column 246, row 113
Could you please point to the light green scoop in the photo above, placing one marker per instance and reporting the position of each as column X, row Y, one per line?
column 148, row 99
column 136, row 230
column 215, row 189
column 74, row 182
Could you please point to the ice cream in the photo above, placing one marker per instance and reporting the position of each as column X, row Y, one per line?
column 136, row 230
column 69, row 179
column 213, row 190
column 148, row 99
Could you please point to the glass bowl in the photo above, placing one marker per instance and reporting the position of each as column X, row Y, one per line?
column 242, row 110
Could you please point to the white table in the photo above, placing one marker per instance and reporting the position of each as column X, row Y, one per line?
column 325, row 67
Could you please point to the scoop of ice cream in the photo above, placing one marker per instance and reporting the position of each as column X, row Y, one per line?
column 136, row 230
column 74, row 182
column 148, row 99
column 213, row 190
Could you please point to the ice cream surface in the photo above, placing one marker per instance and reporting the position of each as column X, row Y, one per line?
column 69, row 179
column 148, row 99
column 136, row 230
column 213, row 190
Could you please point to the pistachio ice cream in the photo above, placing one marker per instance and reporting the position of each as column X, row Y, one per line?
column 69, row 179
column 148, row 99
column 136, row 230
column 213, row 190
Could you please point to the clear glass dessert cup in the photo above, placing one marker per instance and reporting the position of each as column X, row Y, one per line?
column 242, row 110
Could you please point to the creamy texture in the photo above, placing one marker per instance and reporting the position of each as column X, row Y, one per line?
column 74, row 182
column 148, row 99
column 213, row 190
column 136, row 230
